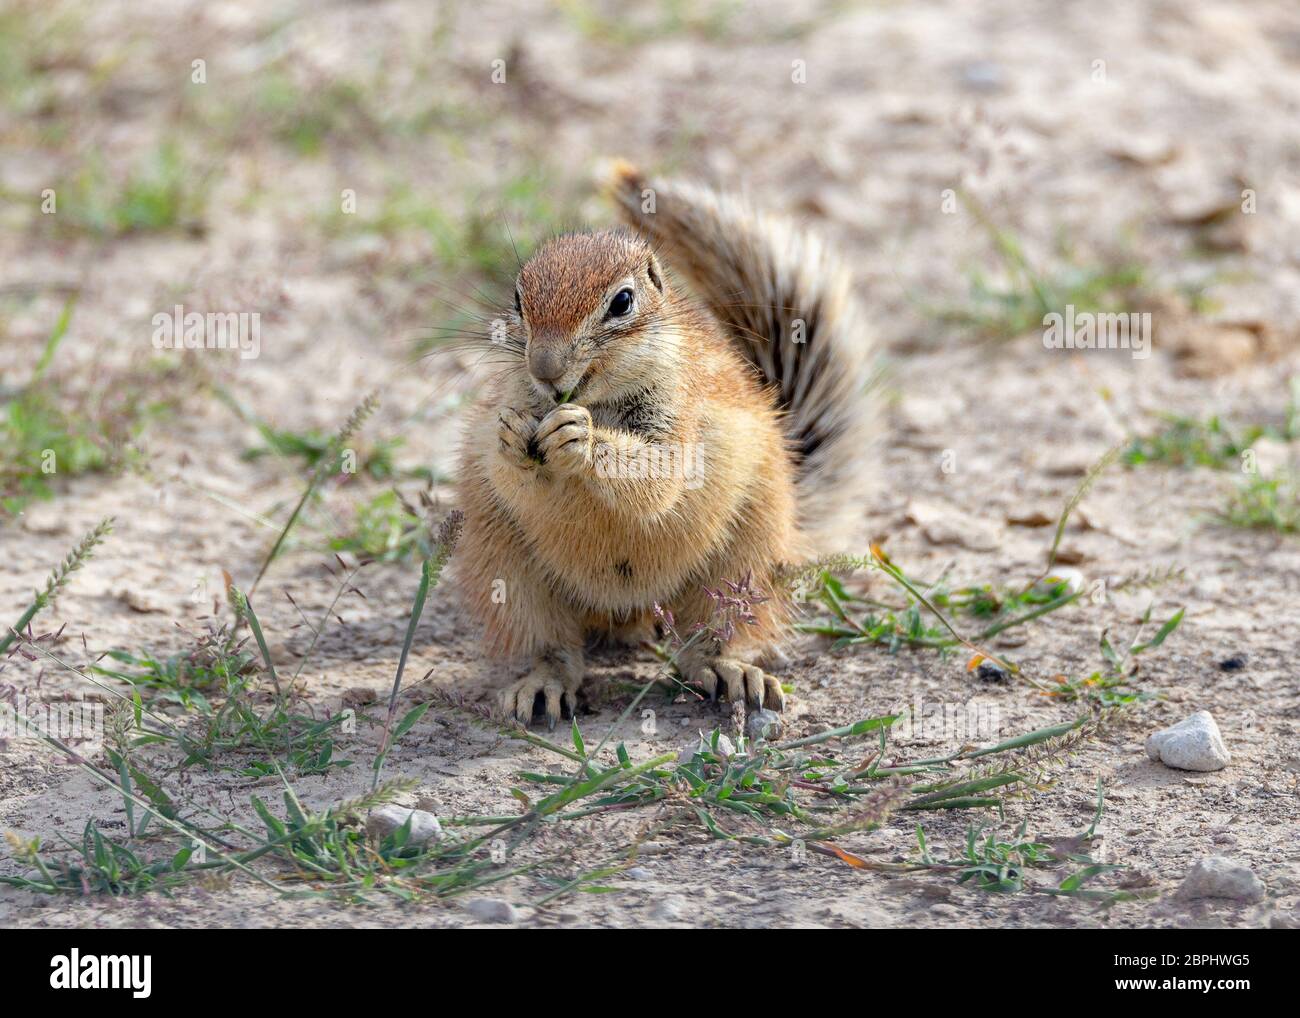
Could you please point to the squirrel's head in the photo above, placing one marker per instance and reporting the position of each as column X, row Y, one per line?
column 591, row 306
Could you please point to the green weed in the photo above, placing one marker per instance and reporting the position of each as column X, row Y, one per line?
column 1265, row 503
column 216, row 664
column 1112, row 685
column 1026, row 293
column 991, row 864
column 161, row 192
column 53, row 427
column 1260, row 502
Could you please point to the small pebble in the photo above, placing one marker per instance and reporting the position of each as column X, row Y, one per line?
column 639, row 873
column 491, row 910
column 1191, row 745
column 1233, row 664
column 763, row 724
column 384, row 820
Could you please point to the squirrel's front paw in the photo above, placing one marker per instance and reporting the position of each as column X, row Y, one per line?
column 564, row 439
column 739, row 680
column 515, row 429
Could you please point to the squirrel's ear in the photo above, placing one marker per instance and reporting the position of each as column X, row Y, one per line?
column 656, row 277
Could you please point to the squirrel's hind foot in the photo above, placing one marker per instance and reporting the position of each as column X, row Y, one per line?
column 556, row 679
column 738, row 680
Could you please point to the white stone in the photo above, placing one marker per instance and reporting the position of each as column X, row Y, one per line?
column 1191, row 745
column 1218, row 877
column 384, row 820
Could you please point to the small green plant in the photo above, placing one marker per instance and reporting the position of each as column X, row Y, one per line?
column 327, row 464
column 1112, row 685
column 1265, row 503
column 374, row 460
column 162, row 192
column 218, row 680
column 99, row 865
column 32, row 40
column 384, row 528
column 896, row 626
column 1186, row 442
column 991, row 864
column 230, row 731
column 307, row 119
column 858, row 620
column 430, row 573
column 1019, row 305
column 216, row 664
column 53, row 427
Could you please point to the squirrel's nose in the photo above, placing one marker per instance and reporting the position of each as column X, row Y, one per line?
column 545, row 364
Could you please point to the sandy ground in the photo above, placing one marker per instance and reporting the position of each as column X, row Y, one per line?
column 1135, row 158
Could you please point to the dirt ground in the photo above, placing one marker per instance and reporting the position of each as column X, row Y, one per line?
column 1096, row 133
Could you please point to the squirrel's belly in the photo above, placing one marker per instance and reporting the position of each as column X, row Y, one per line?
column 609, row 562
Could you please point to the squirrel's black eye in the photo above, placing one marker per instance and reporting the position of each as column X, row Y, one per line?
column 621, row 304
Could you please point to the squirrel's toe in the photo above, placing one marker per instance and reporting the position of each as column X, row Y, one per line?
column 740, row 681
column 519, row 699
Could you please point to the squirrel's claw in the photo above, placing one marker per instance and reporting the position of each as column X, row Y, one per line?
column 514, row 432
column 518, row 699
column 564, row 439
column 739, row 680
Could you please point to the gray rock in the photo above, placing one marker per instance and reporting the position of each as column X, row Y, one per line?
column 385, row 820
column 491, row 910
column 638, row 873
column 763, row 724
column 1191, row 745
column 1218, row 877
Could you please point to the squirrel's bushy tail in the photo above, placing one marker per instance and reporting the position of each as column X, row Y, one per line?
column 787, row 302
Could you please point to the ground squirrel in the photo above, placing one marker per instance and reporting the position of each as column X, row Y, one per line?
column 644, row 447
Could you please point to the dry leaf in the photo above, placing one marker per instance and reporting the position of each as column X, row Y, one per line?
column 856, row 861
